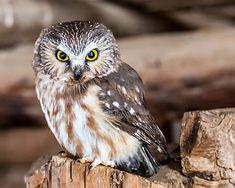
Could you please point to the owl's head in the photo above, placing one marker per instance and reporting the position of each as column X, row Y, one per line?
column 76, row 51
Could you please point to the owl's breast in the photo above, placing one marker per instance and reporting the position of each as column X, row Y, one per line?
column 80, row 125
column 65, row 114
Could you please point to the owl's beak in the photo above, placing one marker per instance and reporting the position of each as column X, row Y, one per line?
column 77, row 74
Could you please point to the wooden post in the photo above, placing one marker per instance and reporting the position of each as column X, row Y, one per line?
column 207, row 151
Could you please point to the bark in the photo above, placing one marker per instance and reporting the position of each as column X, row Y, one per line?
column 65, row 172
column 208, row 144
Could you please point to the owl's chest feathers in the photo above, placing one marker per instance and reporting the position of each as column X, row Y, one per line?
column 79, row 123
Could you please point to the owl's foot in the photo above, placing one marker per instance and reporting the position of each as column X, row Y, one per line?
column 85, row 160
column 109, row 163
column 65, row 154
column 97, row 162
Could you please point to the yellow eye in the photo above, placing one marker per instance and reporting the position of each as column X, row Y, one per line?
column 92, row 55
column 61, row 56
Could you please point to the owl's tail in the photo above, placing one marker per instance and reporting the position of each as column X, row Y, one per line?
column 143, row 163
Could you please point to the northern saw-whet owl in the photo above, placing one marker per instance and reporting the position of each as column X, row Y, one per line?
column 93, row 101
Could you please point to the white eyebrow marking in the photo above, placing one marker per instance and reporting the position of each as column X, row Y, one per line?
column 65, row 49
column 90, row 47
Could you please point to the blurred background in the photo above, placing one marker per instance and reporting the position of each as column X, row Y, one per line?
column 183, row 50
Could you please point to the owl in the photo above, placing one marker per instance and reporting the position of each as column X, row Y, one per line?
column 94, row 102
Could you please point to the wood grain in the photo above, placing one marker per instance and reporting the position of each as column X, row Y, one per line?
column 208, row 144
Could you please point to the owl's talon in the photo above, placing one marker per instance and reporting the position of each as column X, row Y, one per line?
column 105, row 163
column 109, row 164
column 65, row 154
column 90, row 167
column 84, row 160
column 95, row 163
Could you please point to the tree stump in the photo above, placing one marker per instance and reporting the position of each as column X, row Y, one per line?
column 207, row 150
column 208, row 144
column 57, row 171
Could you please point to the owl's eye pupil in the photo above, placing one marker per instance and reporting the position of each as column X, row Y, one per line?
column 91, row 54
column 63, row 55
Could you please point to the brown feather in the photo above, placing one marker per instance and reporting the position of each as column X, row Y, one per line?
column 140, row 124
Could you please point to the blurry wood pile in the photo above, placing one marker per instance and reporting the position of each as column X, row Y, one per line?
column 181, row 72
column 124, row 17
column 183, row 50
column 207, row 147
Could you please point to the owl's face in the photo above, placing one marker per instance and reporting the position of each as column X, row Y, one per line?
column 76, row 52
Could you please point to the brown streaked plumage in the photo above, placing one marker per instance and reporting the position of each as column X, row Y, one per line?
column 93, row 102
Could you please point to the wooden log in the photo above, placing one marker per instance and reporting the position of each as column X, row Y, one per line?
column 16, row 26
column 207, row 151
column 167, row 5
column 15, row 23
column 201, row 19
column 208, row 144
column 58, row 172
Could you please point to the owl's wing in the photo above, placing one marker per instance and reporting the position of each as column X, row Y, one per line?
column 123, row 97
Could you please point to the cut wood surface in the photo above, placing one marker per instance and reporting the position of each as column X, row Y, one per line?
column 62, row 172
column 207, row 151
column 208, row 144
